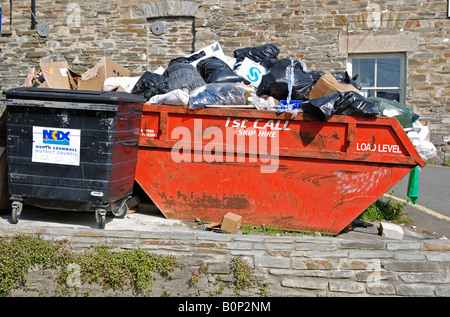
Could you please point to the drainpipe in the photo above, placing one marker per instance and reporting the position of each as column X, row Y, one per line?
column 33, row 14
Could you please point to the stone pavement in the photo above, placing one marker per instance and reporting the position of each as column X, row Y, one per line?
column 154, row 221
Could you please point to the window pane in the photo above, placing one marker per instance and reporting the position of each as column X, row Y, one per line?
column 368, row 92
column 388, row 72
column 391, row 94
column 365, row 67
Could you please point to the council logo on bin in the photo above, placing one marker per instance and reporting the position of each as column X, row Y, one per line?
column 56, row 137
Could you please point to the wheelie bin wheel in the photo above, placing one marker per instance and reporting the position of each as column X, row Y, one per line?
column 100, row 217
column 121, row 211
column 16, row 211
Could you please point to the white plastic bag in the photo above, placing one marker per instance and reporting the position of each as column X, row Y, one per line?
column 127, row 83
column 426, row 149
column 220, row 94
column 177, row 97
column 264, row 104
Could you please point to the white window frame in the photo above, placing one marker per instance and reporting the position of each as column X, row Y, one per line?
column 402, row 57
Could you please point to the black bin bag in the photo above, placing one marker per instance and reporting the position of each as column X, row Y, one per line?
column 257, row 54
column 182, row 75
column 215, row 70
column 345, row 103
column 344, row 78
column 276, row 82
column 150, row 84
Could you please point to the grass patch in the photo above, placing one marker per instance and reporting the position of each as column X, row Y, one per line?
column 386, row 210
column 263, row 229
column 273, row 231
column 445, row 163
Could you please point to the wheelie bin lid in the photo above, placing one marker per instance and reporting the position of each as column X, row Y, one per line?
column 68, row 95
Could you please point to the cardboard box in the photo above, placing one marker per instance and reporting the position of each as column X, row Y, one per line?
column 5, row 203
column 58, row 75
column 231, row 223
column 327, row 84
column 93, row 78
column 213, row 50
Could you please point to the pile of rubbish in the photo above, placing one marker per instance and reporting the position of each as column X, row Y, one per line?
column 253, row 78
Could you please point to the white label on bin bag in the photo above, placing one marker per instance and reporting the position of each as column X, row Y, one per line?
column 251, row 71
column 56, row 146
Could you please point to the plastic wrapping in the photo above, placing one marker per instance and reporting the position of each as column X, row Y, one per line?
column 391, row 108
column 413, row 185
column 215, row 70
column 275, row 82
column 177, row 97
column 150, row 84
column 426, row 149
column 345, row 103
column 219, row 94
column 264, row 104
column 182, row 75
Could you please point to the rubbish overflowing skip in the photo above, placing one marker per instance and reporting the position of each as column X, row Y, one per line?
column 333, row 140
column 253, row 78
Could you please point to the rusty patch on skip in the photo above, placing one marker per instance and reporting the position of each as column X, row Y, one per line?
column 314, row 138
column 205, row 201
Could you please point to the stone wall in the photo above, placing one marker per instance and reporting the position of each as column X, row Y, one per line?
column 283, row 266
column 319, row 32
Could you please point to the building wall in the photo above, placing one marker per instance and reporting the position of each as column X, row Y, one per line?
column 319, row 32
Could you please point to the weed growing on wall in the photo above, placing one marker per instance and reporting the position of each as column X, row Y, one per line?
column 133, row 269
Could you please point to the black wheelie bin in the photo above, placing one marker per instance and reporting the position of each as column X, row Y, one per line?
column 72, row 149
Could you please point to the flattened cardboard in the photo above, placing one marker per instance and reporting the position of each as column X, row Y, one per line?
column 213, row 50
column 327, row 84
column 213, row 225
column 93, row 78
column 73, row 79
column 56, row 74
column 43, row 85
